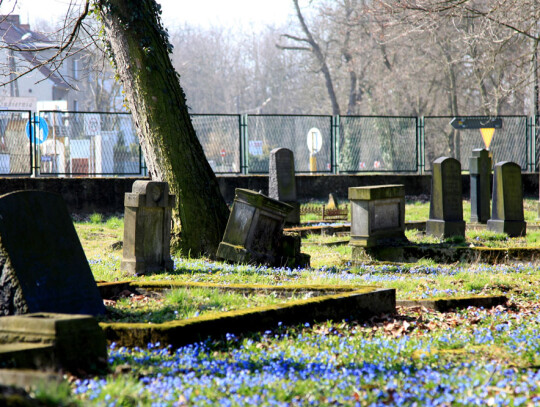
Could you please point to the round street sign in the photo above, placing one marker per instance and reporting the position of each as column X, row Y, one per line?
column 38, row 126
column 314, row 140
column 223, row 152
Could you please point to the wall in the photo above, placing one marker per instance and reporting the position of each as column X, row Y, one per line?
column 106, row 195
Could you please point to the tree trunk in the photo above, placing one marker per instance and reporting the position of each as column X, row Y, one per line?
column 138, row 44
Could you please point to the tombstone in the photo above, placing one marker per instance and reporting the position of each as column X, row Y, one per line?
column 507, row 207
column 446, row 205
column 377, row 215
column 147, row 228
column 254, row 230
column 44, row 268
column 332, row 202
column 282, row 181
column 480, row 172
column 53, row 341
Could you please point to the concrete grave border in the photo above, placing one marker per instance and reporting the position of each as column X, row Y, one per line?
column 343, row 302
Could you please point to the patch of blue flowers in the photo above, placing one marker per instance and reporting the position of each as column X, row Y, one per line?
column 310, row 366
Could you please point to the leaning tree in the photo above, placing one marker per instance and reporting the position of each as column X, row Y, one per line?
column 137, row 45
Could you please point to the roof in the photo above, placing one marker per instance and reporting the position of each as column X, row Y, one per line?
column 26, row 42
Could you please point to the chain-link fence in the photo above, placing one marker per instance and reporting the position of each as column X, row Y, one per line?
column 220, row 137
column 88, row 144
column 380, row 144
column 509, row 143
column 56, row 143
column 308, row 137
column 15, row 147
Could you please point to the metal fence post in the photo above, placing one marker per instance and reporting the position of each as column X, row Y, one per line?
column 335, row 144
column 244, row 145
column 420, row 144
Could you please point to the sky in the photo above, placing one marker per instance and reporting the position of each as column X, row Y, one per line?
column 205, row 13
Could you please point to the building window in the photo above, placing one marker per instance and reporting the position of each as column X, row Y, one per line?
column 76, row 105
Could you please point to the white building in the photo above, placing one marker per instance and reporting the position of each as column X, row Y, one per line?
column 19, row 55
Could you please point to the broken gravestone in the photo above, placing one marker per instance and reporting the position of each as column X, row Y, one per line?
column 254, row 233
column 147, row 228
column 507, row 203
column 446, row 205
column 282, row 182
column 43, row 267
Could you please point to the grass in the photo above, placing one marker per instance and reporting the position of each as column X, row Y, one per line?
column 185, row 303
column 468, row 357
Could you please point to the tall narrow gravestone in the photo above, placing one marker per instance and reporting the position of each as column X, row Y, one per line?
column 480, row 170
column 43, row 267
column 147, row 228
column 507, row 208
column 446, row 206
column 282, row 181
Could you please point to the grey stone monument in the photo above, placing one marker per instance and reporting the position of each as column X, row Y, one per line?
column 282, row 182
column 43, row 267
column 377, row 215
column 254, row 230
column 446, row 205
column 480, row 172
column 147, row 228
column 507, row 207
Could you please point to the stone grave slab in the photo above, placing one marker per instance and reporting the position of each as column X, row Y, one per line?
column 43, row 265
column 47, row 340
column 446, row 205
column 282, row 181
column 507, row 214
column 147, row 228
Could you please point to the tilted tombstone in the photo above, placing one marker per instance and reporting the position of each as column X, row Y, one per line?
column 147, row 228
column 507, row 207
column 377, row 216
column 43, row 265
column 446, row 205
column 480, row 171
column 254, row 230
column 282, row 181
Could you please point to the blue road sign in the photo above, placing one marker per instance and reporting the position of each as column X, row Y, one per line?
column 41, row 130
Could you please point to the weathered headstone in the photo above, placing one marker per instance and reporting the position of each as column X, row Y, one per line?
column 255, row 229
column 282, row 182
column 333, row 202
column 480, row 170
column 507, row 207
column 53, row 341
column 147, row 228
column 377, row 215
column 43, row 265
column 446, row 205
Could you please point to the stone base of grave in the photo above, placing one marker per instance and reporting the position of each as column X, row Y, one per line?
column 445, row 228
column 74, row 343
column 477, row 219
column 140, row 267
column 290, row 254
column 513, row 228
column 293, row 218
column 393, row 239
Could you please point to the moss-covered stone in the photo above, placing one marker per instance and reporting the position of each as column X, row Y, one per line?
column 361, row 303
column 451, row 303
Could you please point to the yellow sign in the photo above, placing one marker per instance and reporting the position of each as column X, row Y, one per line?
column 487, row 135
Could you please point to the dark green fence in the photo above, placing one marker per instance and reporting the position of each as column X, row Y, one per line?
column 55, row 143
